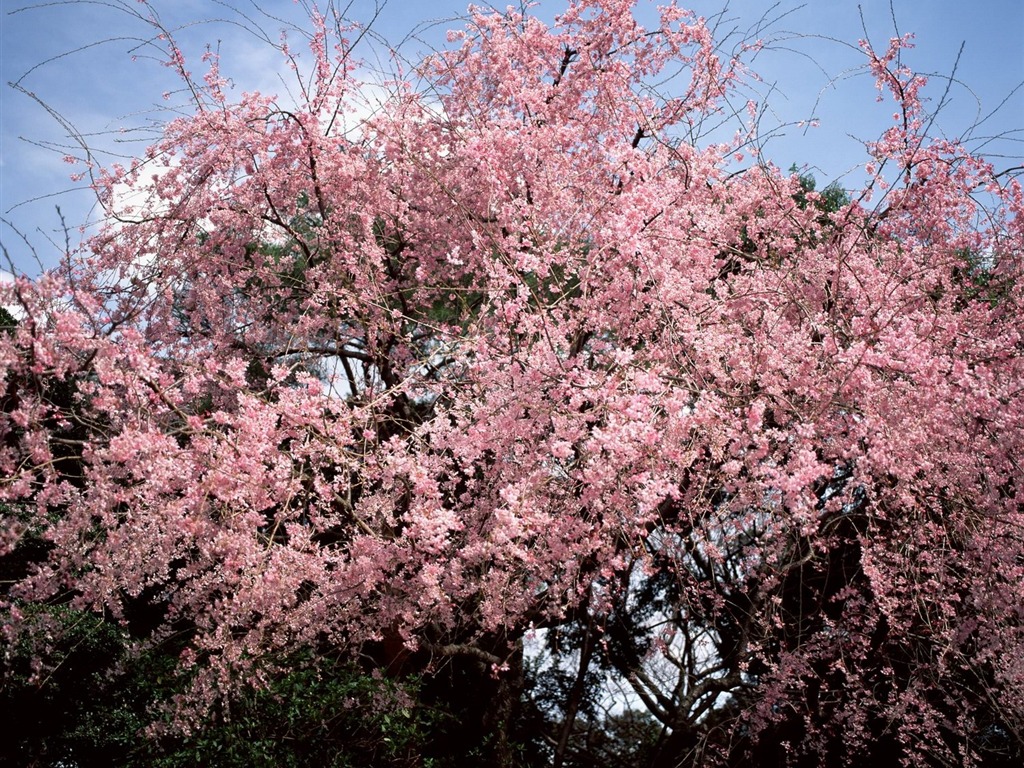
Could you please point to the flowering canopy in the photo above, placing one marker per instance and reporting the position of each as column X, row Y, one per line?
column 463, row 371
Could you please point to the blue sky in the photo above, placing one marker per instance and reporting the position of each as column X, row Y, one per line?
column 76, row 59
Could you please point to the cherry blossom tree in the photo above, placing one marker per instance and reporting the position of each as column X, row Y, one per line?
column 524, row 355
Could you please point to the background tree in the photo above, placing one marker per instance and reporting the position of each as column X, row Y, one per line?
column 522, row 355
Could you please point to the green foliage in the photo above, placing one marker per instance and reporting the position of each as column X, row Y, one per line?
column 7, row 321
column 630, row 737
column 59, row 703
column 977, row 278
column 88, row 699
column 831, row 199
column 317, row 715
